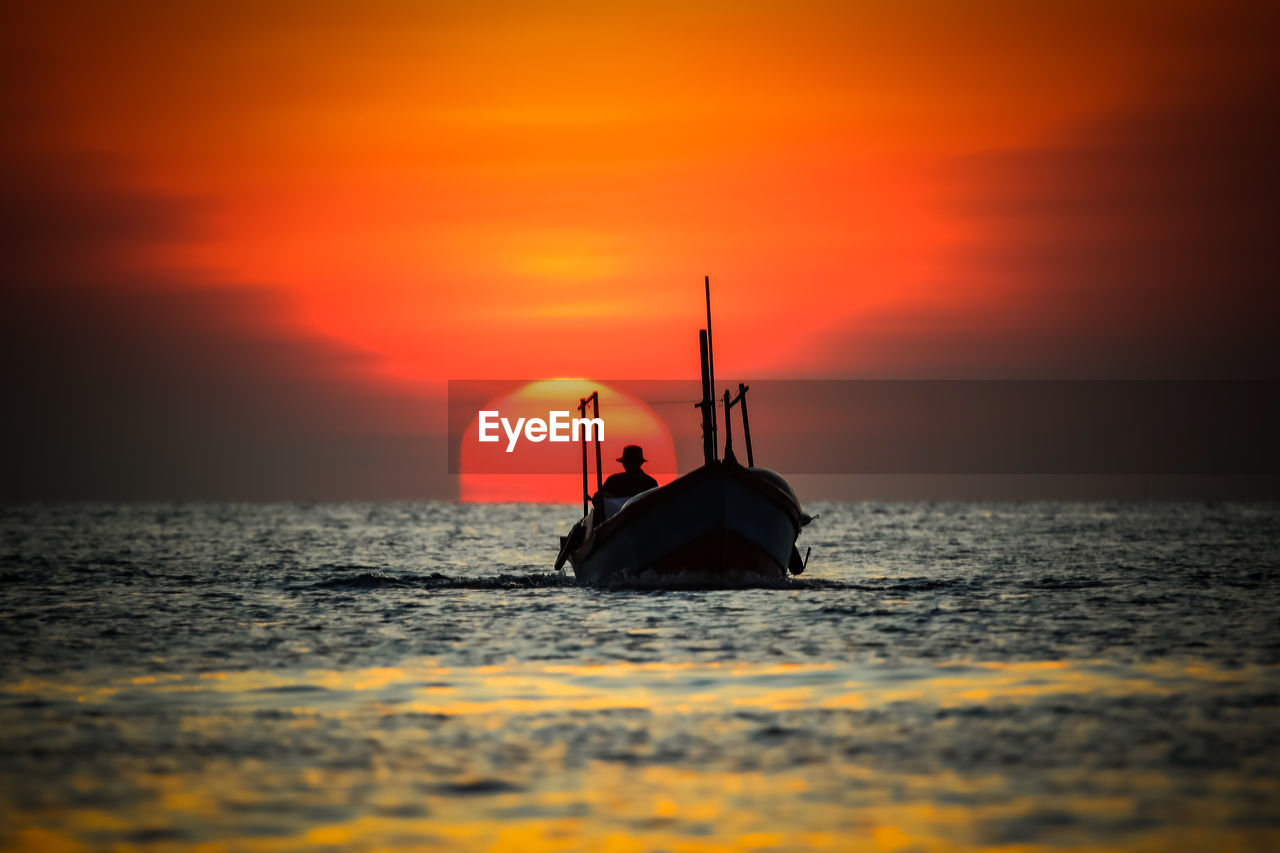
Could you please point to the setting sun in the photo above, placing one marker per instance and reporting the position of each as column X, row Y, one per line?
column 547, row 472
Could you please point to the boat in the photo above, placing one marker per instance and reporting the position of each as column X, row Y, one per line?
column 723, row 524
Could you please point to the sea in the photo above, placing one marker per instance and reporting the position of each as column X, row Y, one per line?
column 401, row 676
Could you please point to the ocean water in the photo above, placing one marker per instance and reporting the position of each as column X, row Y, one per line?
column 1040, row 676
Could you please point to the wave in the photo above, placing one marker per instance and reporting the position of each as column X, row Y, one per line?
column 436, row 580
column 363, row 580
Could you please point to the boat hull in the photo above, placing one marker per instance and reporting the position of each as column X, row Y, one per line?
column 722, row 525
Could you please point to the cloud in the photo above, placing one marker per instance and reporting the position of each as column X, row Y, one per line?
column 1148, row 237
column 1139, row 244
column 126, row 383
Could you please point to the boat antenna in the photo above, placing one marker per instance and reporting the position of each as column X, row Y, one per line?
column 711, row 365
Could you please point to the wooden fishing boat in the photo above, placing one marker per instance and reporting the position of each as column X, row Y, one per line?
column 722, row 524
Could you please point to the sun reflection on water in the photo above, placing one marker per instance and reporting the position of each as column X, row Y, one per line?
column 673, row 756
column 425, row 687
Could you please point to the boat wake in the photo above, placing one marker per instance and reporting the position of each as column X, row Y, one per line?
column 693, row 580
column 642, row 582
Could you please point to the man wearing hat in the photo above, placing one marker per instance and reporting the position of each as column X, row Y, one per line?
column 631, row 481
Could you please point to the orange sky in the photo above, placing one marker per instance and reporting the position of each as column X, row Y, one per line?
column 468, row 190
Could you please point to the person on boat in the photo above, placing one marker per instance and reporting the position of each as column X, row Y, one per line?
column 631, row 481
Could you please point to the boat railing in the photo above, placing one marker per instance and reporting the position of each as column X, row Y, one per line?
column 739, row 400
column 594, row 400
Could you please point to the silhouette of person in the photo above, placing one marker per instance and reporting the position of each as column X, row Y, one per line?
column 628, row 482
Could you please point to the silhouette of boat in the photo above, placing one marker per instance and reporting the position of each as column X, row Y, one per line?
column 722, row 524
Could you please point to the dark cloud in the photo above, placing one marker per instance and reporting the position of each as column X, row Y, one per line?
column 1139, row 244
column 1143, row 243
column 125, row 384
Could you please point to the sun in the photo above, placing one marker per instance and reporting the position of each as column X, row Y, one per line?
column 548, row 472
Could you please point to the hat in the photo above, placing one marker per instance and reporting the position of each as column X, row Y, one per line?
column 632, row 454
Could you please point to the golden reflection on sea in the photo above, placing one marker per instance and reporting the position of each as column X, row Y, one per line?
column 425, row 687
column 618, row 757
column 635, row 810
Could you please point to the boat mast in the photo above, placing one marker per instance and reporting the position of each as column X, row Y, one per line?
column 586, row 491
column 711, row 368
column 707, row 404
